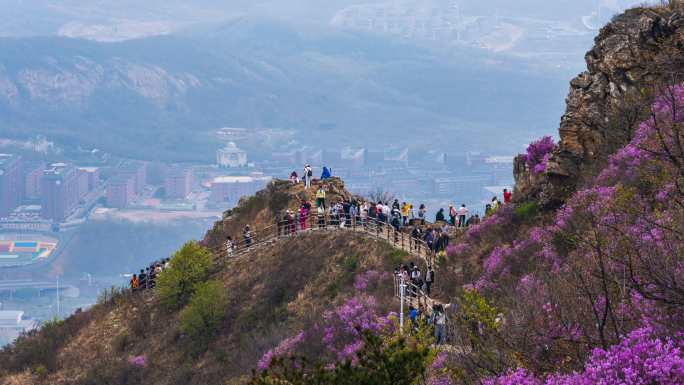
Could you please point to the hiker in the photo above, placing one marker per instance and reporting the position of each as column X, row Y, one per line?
column 507, row 196
column 134, row 282
column 462, row 213
column 413, row 316
column 308, row 174
column 320, row 213
column 421, row 213
column 364, row 213
column 320, row 197
column 379, row 212
column 290, row 228
column 151, row 278
column 354, row 213
column 346, row 209
column 405, row 211
column 429, row 279
column 416, row 235
column 372, row 210
column 395, row 205
column 439, row 320
column 229, row 245
column 440, row 215
column 488, row 210
column 247, row 235
column 303, row 217
column 412, row 213
column 396, row 223
column 386, row 212
column 405, row 273
column 334, row 215
column 294, row 178
column 429, row 238
column 326, row 174
column 495, row 204
column 452, row 215
column 142, row 279
column 437, row 241
column 415, row 275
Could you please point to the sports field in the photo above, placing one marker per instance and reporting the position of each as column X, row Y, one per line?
column 24, row 249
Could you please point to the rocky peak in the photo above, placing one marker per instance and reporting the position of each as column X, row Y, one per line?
column 607, row 100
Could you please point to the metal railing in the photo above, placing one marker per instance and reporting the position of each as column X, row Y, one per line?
column 256, row 238
column 413, row 295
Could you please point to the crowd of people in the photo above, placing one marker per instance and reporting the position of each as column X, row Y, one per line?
column 418, row 283
column 411, row 274
column 435, row 317
column 147, row 277
column 342, row 212
column 307, row 175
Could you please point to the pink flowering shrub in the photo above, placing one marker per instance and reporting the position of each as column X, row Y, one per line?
column 608, row 264
column 538, row 153
column 138, row 361
column 640, row 358
column 284, row 348
column 369, row 279
column 339, row 336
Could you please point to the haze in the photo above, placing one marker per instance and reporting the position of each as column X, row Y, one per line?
column 160, row 109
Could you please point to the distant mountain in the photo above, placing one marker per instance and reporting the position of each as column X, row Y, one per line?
column 171, row 92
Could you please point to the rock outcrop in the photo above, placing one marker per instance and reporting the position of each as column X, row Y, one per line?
column 632, row 55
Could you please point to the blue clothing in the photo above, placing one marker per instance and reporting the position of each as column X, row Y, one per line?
column 326, row 173
column 413, row 314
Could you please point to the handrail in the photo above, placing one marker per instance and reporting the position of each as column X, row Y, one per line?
column 315, row 222
column 411, row 292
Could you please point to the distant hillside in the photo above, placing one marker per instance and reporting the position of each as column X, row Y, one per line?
column 171, row 92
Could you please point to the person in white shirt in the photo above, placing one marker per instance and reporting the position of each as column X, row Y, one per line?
column 462, row 213
column 308, row 174
column 230, row 246
column 386, row 212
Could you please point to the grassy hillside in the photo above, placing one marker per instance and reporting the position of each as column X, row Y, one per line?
column 271, row 293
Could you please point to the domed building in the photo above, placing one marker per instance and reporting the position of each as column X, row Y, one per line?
column 231, row 156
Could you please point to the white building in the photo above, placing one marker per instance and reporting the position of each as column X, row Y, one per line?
column 229, row 189
column 13, row 323
column 231, row 156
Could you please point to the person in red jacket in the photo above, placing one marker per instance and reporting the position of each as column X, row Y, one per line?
column 507, row 195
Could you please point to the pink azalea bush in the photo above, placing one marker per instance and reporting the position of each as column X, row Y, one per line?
column 138, row 361
column 598, row 284
column 284, row 348
column 369, row 279
column 538, row 153
column 338, row 336
column 640, row 358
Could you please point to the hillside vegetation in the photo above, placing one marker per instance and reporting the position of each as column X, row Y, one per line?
column 578, row 281
column 270, row 294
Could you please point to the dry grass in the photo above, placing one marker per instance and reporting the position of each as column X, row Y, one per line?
column 272, row 293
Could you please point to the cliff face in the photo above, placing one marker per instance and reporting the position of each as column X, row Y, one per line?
column 633, row 56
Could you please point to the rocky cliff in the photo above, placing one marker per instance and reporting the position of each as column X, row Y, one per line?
column 633, row 56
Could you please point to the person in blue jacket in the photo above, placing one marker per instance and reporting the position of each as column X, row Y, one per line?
column 326, row 173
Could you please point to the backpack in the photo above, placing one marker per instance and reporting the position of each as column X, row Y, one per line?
column 309, row 173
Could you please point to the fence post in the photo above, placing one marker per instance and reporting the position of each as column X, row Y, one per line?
column 402, row 287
